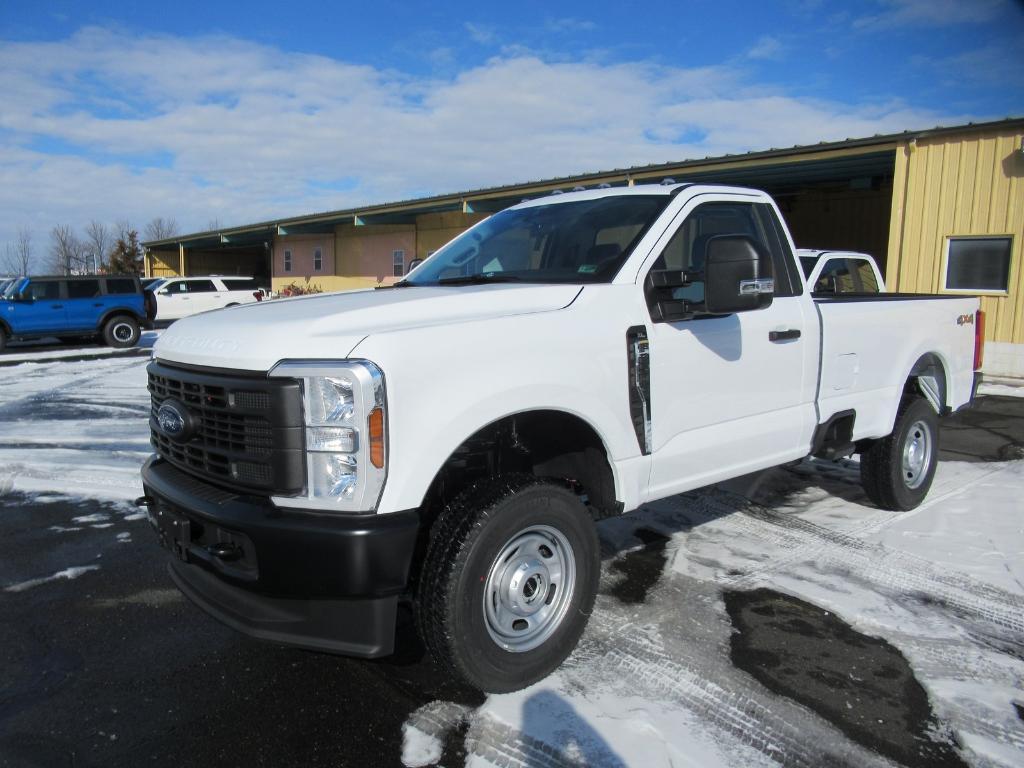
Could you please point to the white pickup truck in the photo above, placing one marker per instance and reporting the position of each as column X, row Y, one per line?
column 450, row 441
column 840, row 271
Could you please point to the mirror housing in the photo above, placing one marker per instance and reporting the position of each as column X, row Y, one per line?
column 737, row 276
column 413, row 264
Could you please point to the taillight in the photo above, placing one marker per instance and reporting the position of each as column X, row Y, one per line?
column 979, row 339
column 149, row 301
column 258, row 295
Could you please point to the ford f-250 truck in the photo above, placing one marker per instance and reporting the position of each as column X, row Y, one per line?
column 451, row 441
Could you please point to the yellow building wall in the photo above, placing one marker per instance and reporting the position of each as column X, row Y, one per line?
column 435, row 229
column 953, row 185
column 163, row 263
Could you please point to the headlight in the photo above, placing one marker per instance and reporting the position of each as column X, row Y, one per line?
column 346, row 447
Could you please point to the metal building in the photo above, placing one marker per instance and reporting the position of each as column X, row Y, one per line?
column 942, row 210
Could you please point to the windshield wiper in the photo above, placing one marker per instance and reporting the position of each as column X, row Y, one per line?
column 479, row 278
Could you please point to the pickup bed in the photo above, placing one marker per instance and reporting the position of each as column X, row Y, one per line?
column 450, row 441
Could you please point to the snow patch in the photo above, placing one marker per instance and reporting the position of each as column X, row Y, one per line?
column 97, row 517
column 1004, row 390
column 67, row 573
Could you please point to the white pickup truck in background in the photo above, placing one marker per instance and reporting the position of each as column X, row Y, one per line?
column 450, row 441
column 840, row 271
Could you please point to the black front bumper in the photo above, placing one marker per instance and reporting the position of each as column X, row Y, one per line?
column 318, row 581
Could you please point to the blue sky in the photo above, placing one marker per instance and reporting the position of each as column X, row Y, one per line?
column 203, row 111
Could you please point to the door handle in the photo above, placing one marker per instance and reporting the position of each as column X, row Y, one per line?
column 792, row 333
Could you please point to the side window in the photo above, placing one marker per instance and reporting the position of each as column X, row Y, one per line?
column 688, row 247
column 866, row 275
column 240, row 285
column 201, row 286
column 83, row 289
column 120, row 285
column 287, row 261
column 835, row 277
column 49, row 289
column 175, row 287
column 398, row 258
column 318, row 260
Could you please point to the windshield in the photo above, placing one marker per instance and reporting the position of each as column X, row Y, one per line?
column 7, row 287
column 586, row 241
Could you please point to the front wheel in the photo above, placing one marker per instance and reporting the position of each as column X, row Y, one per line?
column 121, row 332
column 508, row 582
column 897, row 470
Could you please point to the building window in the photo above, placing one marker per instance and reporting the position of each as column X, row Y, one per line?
column 399, row 259
column 287, row 261
column 318, row 260
column 978, row 264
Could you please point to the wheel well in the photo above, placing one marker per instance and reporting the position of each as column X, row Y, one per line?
column 551, row 444
column 107, row 316
column 928, row 378
column 5, row 328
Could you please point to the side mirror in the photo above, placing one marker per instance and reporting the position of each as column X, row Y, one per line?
column 413, row 264
column 165, row 292
column 737, row 276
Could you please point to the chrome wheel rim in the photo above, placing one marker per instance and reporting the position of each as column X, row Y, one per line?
column 917, row 454
column 123, row 332
column 528, row 588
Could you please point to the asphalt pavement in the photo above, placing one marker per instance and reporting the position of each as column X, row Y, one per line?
column 108, row 665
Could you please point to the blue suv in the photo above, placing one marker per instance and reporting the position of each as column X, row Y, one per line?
column 76, row 307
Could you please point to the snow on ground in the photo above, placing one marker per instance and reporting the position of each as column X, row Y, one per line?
column 67, row 573
column 1005, row 390
column 73, row 429
column 653, row 682
column 34, row 351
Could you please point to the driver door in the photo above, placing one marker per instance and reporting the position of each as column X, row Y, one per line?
column 729, row 394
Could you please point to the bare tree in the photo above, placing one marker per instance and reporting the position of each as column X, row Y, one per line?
column 67, row 252
column 99, row 240
column 18, row 258
column 161, row 228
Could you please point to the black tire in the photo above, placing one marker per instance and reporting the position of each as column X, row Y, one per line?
column 462, row 566
column 121, row 332
column 889, row 481
column 3, row 340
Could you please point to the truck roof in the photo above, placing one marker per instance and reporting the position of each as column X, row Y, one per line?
column 667, row 189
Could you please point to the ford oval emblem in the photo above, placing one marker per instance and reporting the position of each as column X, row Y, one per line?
column 171, row 420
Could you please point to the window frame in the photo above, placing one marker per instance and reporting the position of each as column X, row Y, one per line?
column 318, row 259
column 286, row 259
column 976, row 291
column 398, row 262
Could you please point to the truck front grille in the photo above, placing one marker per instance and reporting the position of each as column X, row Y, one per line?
column 244, row 433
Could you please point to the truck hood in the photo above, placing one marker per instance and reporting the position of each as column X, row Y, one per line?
column 328, row 326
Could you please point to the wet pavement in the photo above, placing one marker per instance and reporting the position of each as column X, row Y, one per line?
column 107, row 665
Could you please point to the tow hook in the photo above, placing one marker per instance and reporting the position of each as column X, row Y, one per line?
column 225, row 550
column 143, row 501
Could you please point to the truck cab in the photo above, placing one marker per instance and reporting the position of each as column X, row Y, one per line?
column 449, row 442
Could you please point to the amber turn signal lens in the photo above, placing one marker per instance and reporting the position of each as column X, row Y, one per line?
column 376, row 431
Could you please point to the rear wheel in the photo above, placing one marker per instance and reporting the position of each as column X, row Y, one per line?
column 897, row 470
column 121, row 332
column 3, row 339
column 509, row 581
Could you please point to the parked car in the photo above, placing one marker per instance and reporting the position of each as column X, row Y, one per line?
column 829, row 272
column 111, row 306
column 178, row 297
column 450, row 441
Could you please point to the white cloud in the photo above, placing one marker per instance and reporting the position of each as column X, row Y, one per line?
column 104, row 126
column 569, row 24
column 898, row 13
column 767, row 47
column 480, row 33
